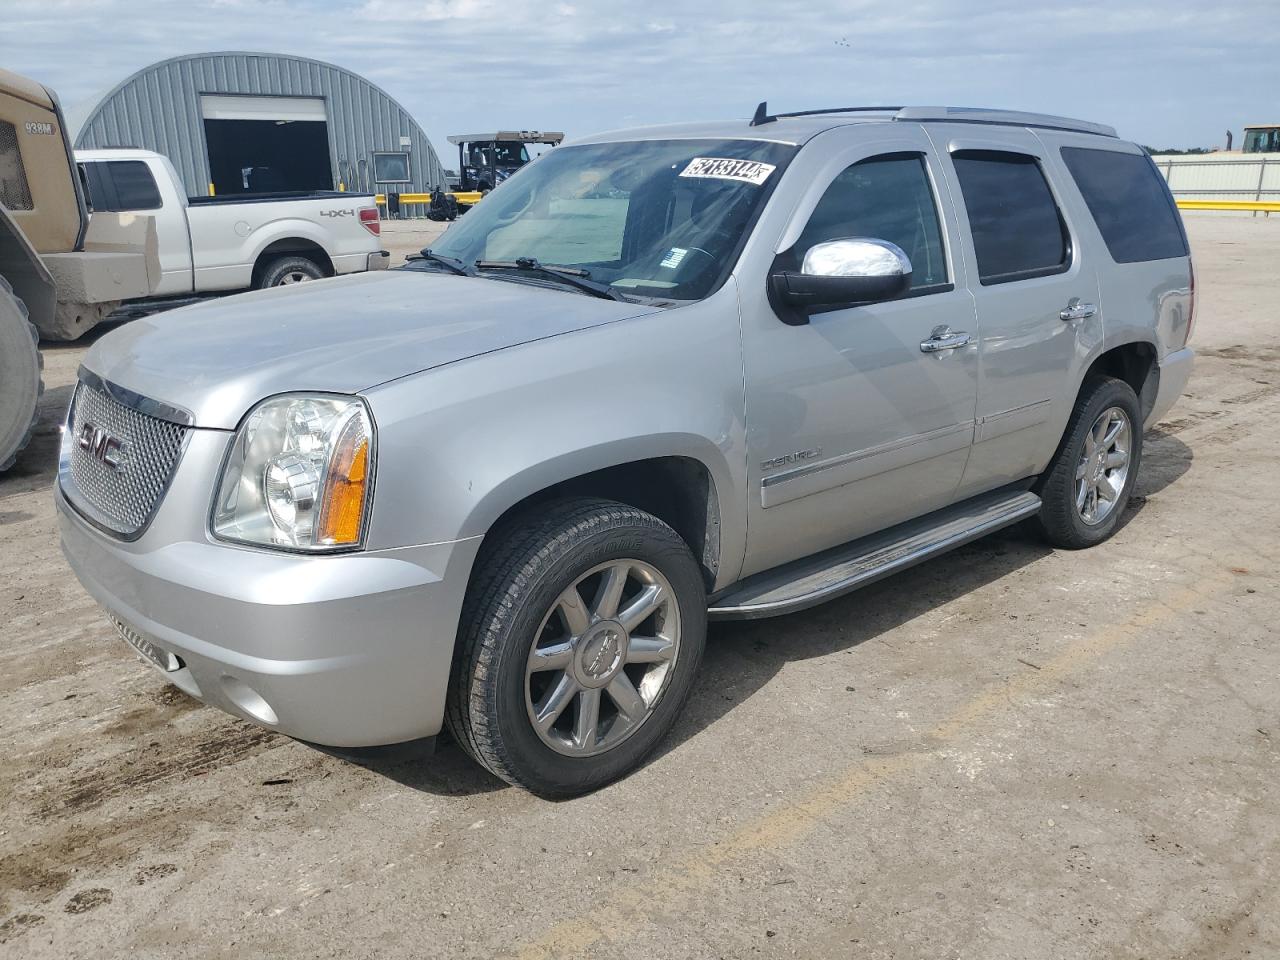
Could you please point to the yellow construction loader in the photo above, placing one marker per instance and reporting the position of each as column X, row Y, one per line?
column 60, row 274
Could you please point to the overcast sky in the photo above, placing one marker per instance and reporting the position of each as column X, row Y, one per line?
column 1176, row 73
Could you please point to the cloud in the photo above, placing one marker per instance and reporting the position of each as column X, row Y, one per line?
column 1173, row 73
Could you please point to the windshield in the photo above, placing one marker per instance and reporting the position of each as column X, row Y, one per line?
column 1262, row 141
column 505, row 151
column 661, row 218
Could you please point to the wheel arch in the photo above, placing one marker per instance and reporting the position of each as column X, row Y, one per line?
column 674, row 481
column 1136, row 362
column 293, row 246
column 30, row 278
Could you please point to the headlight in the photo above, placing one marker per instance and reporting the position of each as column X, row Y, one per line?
column 298, row 475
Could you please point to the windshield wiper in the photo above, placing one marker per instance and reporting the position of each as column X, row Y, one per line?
column 453, row 263
column 573, row 276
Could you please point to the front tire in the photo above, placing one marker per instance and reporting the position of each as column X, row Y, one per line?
column 580, row 639
column 1087, row 485
column 20, row 382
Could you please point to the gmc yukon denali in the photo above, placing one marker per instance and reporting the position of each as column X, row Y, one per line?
column 721, row 370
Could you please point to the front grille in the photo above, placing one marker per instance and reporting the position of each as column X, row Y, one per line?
column 15, row 193
column 119, row 460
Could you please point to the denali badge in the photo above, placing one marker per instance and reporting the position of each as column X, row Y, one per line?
column 789, row 458
column 100, row 445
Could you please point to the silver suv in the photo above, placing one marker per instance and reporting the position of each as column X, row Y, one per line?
column 723, row 370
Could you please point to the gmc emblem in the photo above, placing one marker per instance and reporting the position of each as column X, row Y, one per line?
column 100, row 445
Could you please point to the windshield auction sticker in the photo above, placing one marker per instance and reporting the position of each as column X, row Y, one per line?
column 715, row 168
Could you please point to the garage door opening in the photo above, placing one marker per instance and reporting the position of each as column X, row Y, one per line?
column 266, row 144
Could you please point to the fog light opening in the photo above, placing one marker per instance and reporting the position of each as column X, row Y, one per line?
column 249, row 700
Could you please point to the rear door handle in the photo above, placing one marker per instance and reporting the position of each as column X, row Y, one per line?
column 944, row 338
column 1077, row 310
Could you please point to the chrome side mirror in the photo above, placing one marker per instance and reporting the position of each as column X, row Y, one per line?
column 841, row 273
column 858, row 257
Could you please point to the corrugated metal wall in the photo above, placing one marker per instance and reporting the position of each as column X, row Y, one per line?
column 159, row 109
column 1222, row 176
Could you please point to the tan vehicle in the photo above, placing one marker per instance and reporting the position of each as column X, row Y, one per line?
column 59, row 275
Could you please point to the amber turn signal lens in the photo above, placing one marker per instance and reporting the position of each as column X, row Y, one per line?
column 343, row 506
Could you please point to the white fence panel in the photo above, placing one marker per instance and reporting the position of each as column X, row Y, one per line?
column 1222, row 176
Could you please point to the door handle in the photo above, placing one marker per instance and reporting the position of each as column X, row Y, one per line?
column 944, row 338
column 1077, row 310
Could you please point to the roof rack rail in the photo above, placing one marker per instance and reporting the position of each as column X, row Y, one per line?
column 1017, row 118
column 763, row 115
column 953, row 115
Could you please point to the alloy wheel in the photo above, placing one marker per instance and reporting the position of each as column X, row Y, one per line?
column 1103, row 469
column 602, row 657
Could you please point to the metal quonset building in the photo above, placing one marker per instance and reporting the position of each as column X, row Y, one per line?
column 249, row 122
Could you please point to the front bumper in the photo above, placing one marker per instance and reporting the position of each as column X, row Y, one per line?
column 1175, row 371
column 350, row 650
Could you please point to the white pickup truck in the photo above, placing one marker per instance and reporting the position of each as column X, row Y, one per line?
column 236, row 242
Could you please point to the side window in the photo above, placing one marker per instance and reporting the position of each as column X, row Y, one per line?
column 1018, row 232
column 97, row 189
column 391, row 168
column 1129, row 202
column 883, row 198
column 121, row 185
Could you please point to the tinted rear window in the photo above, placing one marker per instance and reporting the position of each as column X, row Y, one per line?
column 119, row 185
column 1017, row 230
column 1129, row 202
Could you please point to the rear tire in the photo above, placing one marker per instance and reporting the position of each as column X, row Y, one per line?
column 284, row 271
column 611, row 670
column 20, row 382
column 1087, row 485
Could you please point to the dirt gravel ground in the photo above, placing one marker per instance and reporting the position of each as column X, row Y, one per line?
column 1005, row 753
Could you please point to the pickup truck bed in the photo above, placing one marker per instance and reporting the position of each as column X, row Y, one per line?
column 235, row 242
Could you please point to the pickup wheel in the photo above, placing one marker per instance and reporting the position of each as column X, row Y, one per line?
column 581, row 634
column 286, row 270
column 1089, row 480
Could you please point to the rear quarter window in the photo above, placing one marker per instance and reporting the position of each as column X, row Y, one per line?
column 1129, row 202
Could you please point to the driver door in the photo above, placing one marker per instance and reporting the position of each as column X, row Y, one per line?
column 852, row 424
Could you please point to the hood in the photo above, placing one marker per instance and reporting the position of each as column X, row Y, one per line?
column 219, row 358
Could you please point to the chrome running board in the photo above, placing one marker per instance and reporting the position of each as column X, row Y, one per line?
column 833, row 573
